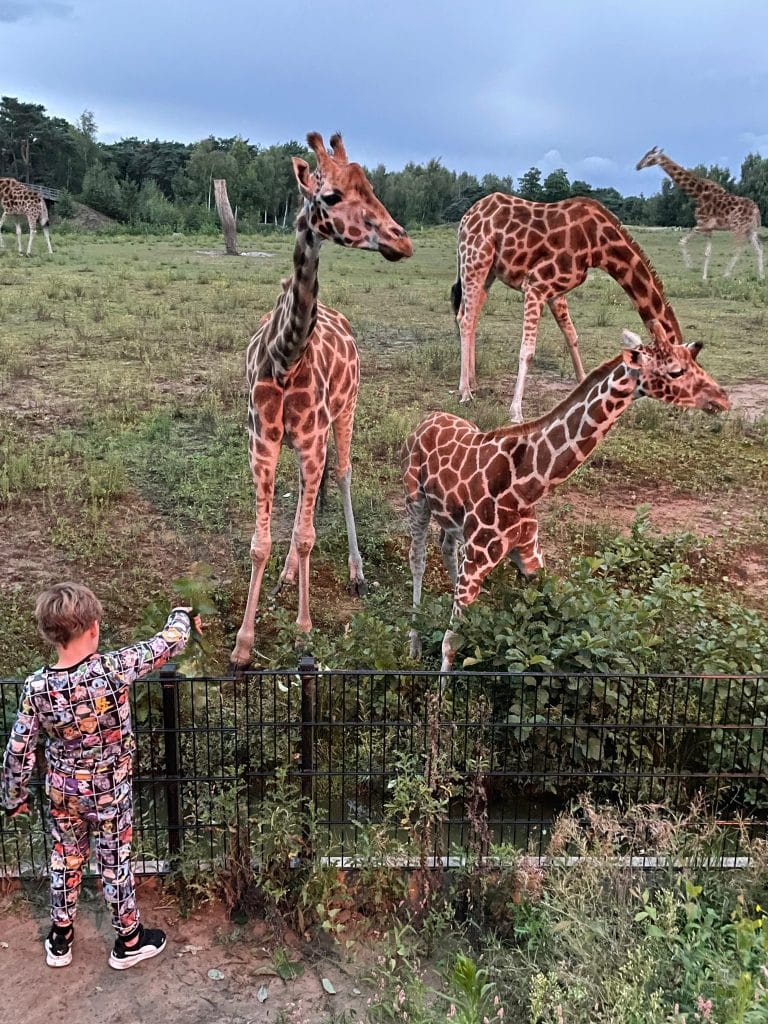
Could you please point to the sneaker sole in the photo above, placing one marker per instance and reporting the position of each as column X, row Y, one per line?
column 57, row 961
column 123, row 963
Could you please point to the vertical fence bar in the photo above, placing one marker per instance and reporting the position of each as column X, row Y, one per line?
column 308, row 676
column 169, row 679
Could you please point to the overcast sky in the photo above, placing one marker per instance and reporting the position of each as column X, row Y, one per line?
column 483, row 85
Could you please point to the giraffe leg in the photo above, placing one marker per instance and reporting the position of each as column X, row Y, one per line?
column 755, row 243
column 476, row 278
column 684, row 248
column 264, row 458
column 32, row 221
column 291, row 567
column 418, row 524
column 18, row 237
column 740, row 242
column 312, row 463
column 2, row 221
column 559, row 307
column 342, row 432
column 707, row 254
column 47, row 234
column 449, row 546
column 534, row 303
column 475, row 565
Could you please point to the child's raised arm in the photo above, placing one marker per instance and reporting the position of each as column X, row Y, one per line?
column 140, row 659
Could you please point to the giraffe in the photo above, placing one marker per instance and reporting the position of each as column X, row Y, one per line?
column 21, row 200
column 303, row 372
column 482, row 487
column 716, row 210
column 544, row 250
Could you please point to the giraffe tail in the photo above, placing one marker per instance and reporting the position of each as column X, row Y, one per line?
column 456, row 295
column 43, row 214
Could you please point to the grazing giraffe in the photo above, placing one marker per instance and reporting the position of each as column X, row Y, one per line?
column 22, row 201
column 482, row 487
column 544, row 250
column 716, row 210
column 303, row 372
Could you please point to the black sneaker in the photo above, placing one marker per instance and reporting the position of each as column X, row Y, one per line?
column 58, row 947
column 151, row 942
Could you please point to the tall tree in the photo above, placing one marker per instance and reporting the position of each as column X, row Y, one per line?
column 530, row 187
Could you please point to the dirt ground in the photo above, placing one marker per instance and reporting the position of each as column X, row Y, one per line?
column 176, row 987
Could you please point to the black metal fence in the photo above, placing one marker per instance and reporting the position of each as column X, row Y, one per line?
column 333, row 754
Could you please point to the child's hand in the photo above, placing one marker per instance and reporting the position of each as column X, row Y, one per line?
column 197, row 622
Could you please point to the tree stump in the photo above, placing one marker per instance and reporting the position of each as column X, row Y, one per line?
column 226, row 216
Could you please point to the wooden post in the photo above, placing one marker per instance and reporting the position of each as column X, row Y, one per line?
column 225, row 216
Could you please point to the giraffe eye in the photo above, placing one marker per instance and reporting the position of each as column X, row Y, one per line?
column 332, row 198
column 676, row 373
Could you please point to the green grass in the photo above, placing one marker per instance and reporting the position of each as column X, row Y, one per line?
column 124, row 448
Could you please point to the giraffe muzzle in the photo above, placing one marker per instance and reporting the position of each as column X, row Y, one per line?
column 398, row 251
column 716, row 403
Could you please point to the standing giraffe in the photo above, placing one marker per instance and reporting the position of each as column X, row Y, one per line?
column 22, row 201
column 544, row 250
column 716, row 210
column 303, row 371
column 482, row 488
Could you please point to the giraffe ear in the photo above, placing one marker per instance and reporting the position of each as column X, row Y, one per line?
column 304, row 177
column 631, row 341
column 694, row 347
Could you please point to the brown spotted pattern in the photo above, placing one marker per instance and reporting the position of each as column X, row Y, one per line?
column 17, row 199
column 716, row 210
column 545, row 250
column 481, row 488
column 303, row 372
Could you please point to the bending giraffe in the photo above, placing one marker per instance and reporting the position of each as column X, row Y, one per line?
column 716, row 210
column 303, row 372
column 482, row 488
column 544, row 250
column 20, row 200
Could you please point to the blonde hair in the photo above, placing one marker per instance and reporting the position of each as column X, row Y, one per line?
column 65, row 611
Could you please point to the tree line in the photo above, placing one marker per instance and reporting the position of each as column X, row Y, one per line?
column 170, row 184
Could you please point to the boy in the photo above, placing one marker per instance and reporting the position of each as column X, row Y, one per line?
column 82, row 705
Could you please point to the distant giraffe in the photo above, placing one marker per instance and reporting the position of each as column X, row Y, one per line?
column 303, row 372
column 482, row 487
column 21, row 200
column 544, row 250
column 716, row 210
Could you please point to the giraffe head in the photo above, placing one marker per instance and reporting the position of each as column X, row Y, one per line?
column 341, row 205
column 650, row 159
column 671, row 374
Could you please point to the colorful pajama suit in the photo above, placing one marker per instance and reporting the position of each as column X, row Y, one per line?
column 85, row 714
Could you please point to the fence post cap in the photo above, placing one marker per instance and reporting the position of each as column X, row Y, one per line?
column 307, row 664
column 169, row 671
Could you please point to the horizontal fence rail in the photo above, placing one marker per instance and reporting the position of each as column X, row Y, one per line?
column 341, row 755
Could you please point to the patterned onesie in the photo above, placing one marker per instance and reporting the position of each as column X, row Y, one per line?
column 86, row 716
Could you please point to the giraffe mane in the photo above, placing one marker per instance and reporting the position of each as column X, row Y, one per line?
column 634, row 244
column 573, row 397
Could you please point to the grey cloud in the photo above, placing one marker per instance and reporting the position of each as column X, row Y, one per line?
column 33, row 10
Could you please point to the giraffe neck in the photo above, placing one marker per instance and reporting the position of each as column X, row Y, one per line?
column 295, row 314
column 627, row 264
column 688, row 182
column 562, row 440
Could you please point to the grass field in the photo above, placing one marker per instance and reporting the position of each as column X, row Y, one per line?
column 123, row 452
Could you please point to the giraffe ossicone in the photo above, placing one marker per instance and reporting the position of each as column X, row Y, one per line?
column 482, row 487
column 716, row 209
column 303, row 372
column 19, row 200
column 545, row 250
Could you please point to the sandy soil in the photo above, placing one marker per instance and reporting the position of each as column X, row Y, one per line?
column 174, row 988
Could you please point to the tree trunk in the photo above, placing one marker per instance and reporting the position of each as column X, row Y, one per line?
column 225, row 216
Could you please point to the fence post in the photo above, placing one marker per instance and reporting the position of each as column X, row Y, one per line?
column 308, row 675
column 169, row 680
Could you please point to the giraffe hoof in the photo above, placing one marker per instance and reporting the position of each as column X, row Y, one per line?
column 238, row 668
column 357, row 588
